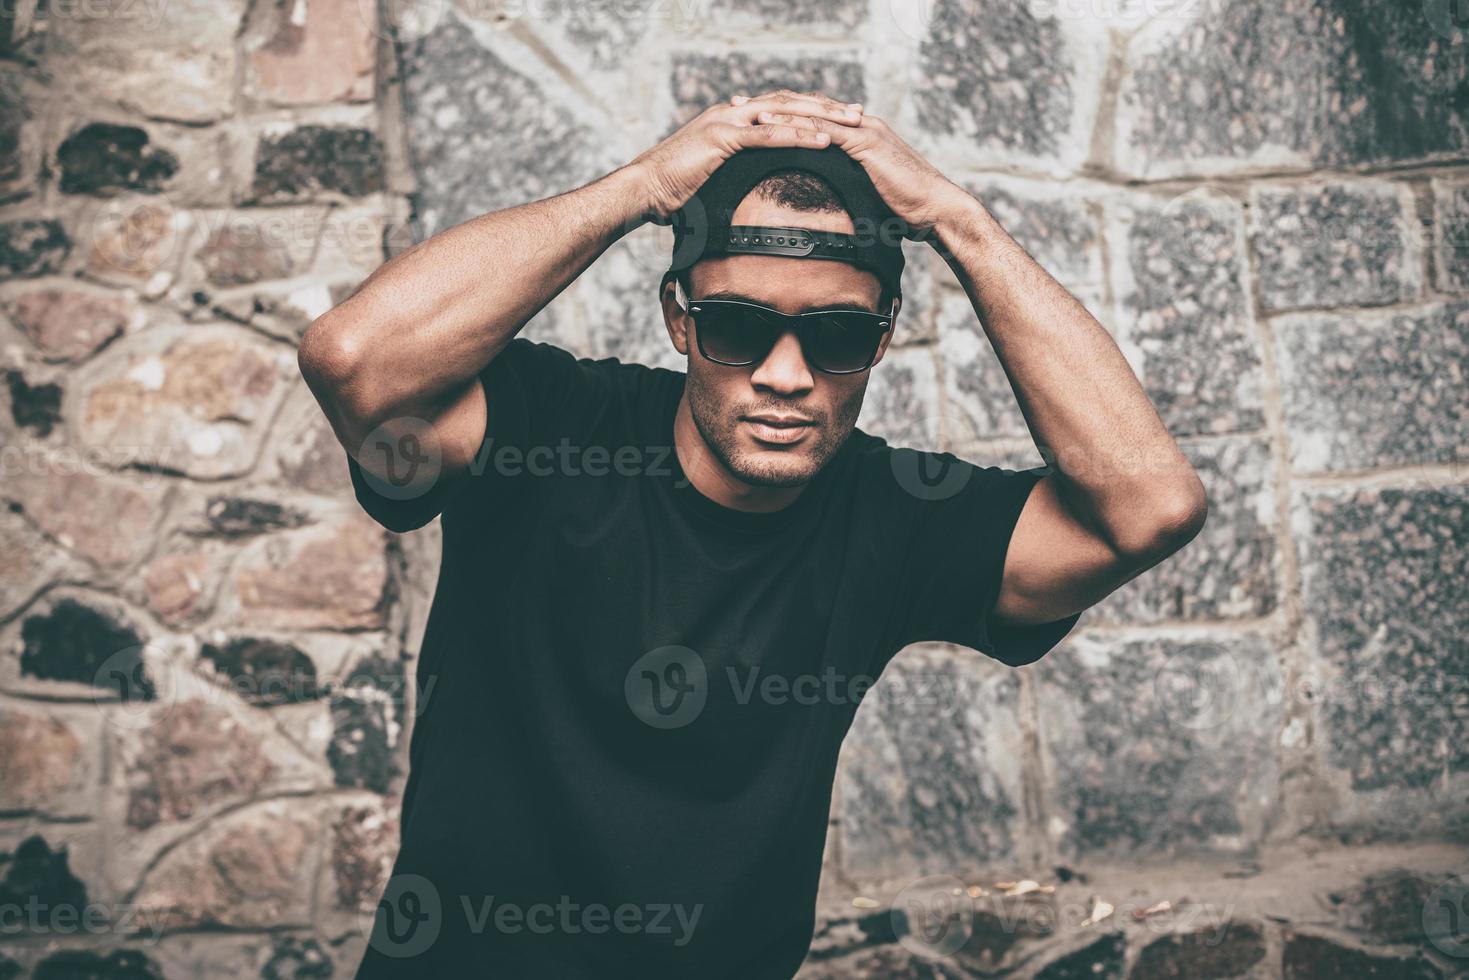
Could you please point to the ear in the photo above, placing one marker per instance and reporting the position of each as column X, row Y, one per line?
column 675, row 314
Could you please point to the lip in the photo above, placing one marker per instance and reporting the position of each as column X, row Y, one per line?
column 778, row 429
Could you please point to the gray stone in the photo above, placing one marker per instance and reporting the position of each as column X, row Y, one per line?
column 1335, row 245
column 1061, row 231
column 931, row 776
column 609, row 35
column 32, row 247
column 997, row 76
column 1161, row 743
column 1228, row 571
column 901, row 403
column 1383, row 574
column 482, row 136
column 1375, row 389
column 1451, row 238
column 843, row 15
column 310, row 161
column 1185, row 322
column 982, row 404
column 1304, row 83
column 699, row 81
column 15, row 113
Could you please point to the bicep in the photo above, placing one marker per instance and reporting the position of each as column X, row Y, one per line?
column 1055, row 565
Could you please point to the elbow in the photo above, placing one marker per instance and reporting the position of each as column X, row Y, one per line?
column 332, row 362
column 1172, row 519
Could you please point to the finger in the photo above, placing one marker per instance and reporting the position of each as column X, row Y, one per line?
column 843, row 135
column 805, row 105
column 796, row 119
column 781, row 136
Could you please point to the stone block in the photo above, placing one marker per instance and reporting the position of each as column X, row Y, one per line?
column 311, row 161
column 1228, row 571
column 1160, row 743
column 326, row 576
column 247, row 246
column 1338, row 244
column 34, row 404
column 1184, row 320
column 930, row 779
column 102, row 158
column 1231, row 951
column 484, row 136
column 313, row 52
column 32, row 563
column 1369, row 390
column 981, row 403
column 188, row 400
column 249, row 870
column 701, row 80
column 1382, row 572
column 1310, row 957
column 1009, row 80
column 69, row 322
column 1451, row 235
column 32, row 247
column 50, row 760
column 902, row 400
column 1237, row 86
column 106, row 519
column 173, row 61
column 73, row 645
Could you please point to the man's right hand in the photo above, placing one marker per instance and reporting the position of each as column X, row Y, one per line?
column 676, row 168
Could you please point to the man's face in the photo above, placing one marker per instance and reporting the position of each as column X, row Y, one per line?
column 745, row 414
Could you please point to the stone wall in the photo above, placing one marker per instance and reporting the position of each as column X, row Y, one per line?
column 206, row 649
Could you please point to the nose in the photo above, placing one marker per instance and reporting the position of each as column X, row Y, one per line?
column 784, row 370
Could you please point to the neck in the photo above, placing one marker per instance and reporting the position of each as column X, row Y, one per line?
column 713, row 479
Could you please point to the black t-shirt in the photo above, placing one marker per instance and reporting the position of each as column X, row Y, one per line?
column 636, row 696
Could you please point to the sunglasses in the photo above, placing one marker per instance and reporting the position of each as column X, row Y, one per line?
column 738, row 334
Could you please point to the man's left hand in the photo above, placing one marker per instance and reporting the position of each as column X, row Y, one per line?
column 914, row 188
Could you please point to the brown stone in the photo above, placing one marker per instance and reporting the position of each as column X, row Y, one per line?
column 364, row 843
column 329, row 576
column 175, row 584
column 246, row 247
column 103, row 518
column 1227, row 952
column 132, row 241
column 69, row 324
column 198, row 757
column 311, row 458
column 249, row 871
column 186, row 402
column 1321, row 958
column 30, row 562
column 40, row 759
column 318, row 51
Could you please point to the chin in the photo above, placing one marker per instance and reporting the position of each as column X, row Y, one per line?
column 774, row 468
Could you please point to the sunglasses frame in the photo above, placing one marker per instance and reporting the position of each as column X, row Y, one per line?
column 792, row 322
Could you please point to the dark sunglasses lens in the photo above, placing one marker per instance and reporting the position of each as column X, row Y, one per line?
column 733, row 334
column 841, row 342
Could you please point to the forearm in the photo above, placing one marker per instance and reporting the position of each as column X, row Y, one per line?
column 1118, row 469
column 426, row 323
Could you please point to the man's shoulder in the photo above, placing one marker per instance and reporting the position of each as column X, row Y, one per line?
column 554, row 355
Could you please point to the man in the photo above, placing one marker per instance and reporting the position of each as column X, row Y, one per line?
column 661, row 592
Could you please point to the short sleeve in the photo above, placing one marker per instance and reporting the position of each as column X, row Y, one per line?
column 535, row 395
column 954, row 522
